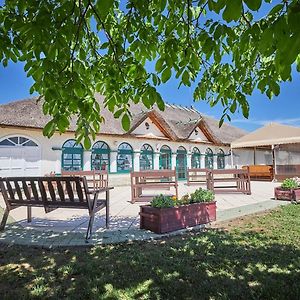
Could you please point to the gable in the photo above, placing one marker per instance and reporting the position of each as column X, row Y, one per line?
column 197, row 135
column 147, row 127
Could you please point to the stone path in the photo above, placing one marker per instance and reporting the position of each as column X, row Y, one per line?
column 67, row 227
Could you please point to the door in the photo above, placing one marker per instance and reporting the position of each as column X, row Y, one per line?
column 19, row 156
column 181, row 165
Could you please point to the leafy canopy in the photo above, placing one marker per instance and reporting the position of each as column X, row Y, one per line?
column 73, row 49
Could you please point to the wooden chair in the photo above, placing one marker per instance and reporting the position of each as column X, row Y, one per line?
column 52, row 193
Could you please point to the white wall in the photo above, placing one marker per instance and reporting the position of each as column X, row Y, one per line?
column 51, row 159
column 153, row 129
column 198, row 136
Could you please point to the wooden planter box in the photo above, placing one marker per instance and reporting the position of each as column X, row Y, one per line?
column 162, row 220
column 288, row 195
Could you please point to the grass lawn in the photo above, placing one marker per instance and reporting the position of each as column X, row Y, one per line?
column 257, row 257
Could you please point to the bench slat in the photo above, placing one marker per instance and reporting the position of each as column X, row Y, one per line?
column 10, row 190
column 70, row 191
column 51, row 190
column 34, row 190
column 17, row 187
column 26, row 190
column 60, row 191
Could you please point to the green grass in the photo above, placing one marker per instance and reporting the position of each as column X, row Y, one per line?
column 251, row 258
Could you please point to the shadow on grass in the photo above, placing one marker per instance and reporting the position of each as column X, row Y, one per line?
column 214, row 264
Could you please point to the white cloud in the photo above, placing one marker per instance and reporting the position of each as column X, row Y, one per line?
column 289, row 121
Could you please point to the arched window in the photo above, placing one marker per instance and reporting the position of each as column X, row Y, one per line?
column 165, row 157
column 72, row 156
column 196, row 158
column 100, row 156
column 18, row 141
column 209, row 159
column 221, row 159
column 124, row 158
column 146, row 157
column 181, row 163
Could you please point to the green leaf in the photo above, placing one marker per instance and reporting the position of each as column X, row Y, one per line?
column 87, row 142
column 160, row 103
column 253, row 4
column 49, row 129
column 126, row 122
column 103, row 7
column 233, row 10
column 166, row 74
column 159, row 66
column 233, row 107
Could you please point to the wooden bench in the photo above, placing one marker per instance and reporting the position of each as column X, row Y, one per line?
column 196, row 176
column 96, row 179
column 52, row 193
column 232, row 180
column 154, row 180
column 260, row 172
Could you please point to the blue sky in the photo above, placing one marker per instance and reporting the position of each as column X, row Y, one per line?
column 283, row 109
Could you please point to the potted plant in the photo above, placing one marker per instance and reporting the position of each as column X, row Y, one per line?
column 167, row 213
column 289, row 190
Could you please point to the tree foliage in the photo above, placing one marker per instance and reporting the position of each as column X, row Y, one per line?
column 73, row 49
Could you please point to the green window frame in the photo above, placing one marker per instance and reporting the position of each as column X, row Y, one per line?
column 181, row 163
column 146, row 157
column 124, row 158
column 221, row 159
column 72, row 156
column 196, row 158
column 209, row 159
column 165, row 158
column 100, row 156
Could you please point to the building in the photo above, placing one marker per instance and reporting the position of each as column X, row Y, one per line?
column 178, row 137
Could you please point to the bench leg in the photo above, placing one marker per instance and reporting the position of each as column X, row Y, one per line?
column 4, row 219
column 107, row 209
column 90, row 227
column 29, row 214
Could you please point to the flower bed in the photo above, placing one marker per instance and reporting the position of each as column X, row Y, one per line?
column 289, row 190
column 166, row 214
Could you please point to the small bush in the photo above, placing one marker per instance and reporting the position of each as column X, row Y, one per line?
column 201, row 195
column 289, row 183
column 163, row 201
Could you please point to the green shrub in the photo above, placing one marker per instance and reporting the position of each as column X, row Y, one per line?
column 163, row 201
column 289, row 184
column 201, row 195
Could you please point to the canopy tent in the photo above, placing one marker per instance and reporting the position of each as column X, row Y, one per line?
column 270, row 134
column 281, row 139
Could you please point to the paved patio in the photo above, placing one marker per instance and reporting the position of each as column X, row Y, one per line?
column 64, row 227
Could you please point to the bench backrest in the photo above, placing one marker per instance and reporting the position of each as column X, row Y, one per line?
column 49, row 191
column 259, row 168
column 98, row 177
column 155, row 174
column 229, row 171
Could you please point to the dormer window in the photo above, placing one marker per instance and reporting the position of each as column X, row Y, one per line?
column 147, row 126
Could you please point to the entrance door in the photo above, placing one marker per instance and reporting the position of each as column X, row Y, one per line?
column 181, row 163
column 19, row 156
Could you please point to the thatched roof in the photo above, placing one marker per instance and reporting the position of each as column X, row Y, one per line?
column 177, row 122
